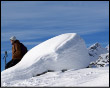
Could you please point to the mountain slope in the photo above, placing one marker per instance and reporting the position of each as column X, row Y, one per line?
column 107, row 47
column 96, row 50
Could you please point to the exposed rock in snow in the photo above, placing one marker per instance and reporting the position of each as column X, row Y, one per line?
column 95, row 50
column 66, row 51
column 107, row 47
column 99, row 55
column 102, row 61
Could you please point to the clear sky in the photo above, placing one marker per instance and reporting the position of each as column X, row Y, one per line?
column 33, row 22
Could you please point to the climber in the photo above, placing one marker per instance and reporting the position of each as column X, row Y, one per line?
column 18, row 51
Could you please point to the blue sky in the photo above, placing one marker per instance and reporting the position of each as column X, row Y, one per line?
column 33, row 22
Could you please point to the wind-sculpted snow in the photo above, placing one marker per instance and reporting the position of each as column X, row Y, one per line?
column 66, row 51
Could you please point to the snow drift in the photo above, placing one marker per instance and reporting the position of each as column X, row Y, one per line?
column 66, row 51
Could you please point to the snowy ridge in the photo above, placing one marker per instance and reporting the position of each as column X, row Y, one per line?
column 66, row 51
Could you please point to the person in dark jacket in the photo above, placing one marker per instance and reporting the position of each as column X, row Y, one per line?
column 16, row 52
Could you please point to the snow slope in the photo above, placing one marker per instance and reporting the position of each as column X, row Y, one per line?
column 87, row 77
column 66, row 51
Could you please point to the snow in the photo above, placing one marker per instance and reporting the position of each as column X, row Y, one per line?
column 95, row 50
column 87, row 77
column 107, row 47
column 66, row 51
column 103, row 59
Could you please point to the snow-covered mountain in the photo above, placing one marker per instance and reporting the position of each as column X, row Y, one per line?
column 102, row 61
column 107, row 47
column 99, row 55
column 64, row 60
column 96, row 50
column 63, row 52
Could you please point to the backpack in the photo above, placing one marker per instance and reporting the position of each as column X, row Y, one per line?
column 23, row 49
